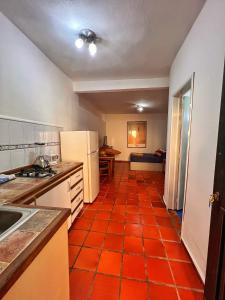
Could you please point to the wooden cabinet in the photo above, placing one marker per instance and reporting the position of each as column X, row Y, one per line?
column 47, row 277
column 67, row 194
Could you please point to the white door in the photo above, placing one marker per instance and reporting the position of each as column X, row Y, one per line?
column 93, row 174
column 92, row 141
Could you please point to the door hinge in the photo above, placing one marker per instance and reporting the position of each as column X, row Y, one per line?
column 213, row 198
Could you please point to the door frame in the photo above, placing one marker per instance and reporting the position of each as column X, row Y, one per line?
column 180, row 147
column 174, row 147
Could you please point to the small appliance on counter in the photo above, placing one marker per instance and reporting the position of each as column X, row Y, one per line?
column 53, row 159
column 41, row 161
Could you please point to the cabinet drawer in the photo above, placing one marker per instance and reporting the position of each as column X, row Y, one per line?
column 76, row 212
column 76, row 177
column 76, row 189
column 76, row 201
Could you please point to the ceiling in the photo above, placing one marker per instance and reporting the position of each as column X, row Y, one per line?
column 140, row 38
column 124, row 102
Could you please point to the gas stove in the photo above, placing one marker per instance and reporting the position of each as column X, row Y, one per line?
column 36, row 172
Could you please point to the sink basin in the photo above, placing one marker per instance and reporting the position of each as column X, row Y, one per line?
column 13, row 217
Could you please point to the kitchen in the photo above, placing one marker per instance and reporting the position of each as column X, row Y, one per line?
column 28, row 229
column 72, row 73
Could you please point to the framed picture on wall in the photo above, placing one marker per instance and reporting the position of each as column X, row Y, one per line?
column 136, row 134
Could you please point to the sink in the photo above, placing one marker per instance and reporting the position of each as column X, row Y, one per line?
column 13, row 217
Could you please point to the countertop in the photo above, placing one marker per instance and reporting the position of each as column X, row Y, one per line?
column 26, row 190
column 19, row 248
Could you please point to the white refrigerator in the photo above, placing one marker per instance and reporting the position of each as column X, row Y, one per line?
column 82, row 146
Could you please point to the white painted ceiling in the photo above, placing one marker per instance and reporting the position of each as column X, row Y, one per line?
column 124, row 102
column 140, row 37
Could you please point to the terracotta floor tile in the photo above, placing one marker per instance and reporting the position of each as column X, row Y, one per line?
column 80, row 284
column 89, row 214
column 190, row 295
column 118, row 217
column 119, row 209
column 133, row 218
column 107, row 207
column 73, row 252
column 159, row 270
column 110, row 263
column 100, row 225
column 82, row 223
column 105, row 288
column 148, row 220
column 129, row 208
column 176, row 251
column 169, row 234
column 115, row 227
column 186, row 275
column 158, row 204
column 94, row 239
column 133, row 245
column 133, row 267
column 77, row 237
column 158, row 292
column 154, row 248
column 132, row 209
column 162, row 221
column 146, row 211
column 113, row 242
column 87, row 259
column 133, row 229
column 133, row 290
column 103, row 215
column 160, row 212
column 151, row 232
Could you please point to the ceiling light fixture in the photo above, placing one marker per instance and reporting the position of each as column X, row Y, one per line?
column 79, row 43
column 92, row 49
column 140, row 108
column 89, row 37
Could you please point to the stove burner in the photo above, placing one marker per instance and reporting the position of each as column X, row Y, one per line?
column 36, row 172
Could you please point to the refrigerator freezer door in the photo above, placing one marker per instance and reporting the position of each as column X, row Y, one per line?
column 92, row 141
column 93, row 167
column 74, row 146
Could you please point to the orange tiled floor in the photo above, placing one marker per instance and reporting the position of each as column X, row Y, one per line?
column 126, row 245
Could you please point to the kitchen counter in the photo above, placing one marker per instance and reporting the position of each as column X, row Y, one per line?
column 19, row 249
column 26, row 190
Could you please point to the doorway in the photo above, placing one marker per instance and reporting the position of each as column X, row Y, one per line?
column 184, row 147
column 180, row 144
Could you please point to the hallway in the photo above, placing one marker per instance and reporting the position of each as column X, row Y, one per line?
column 126, row 245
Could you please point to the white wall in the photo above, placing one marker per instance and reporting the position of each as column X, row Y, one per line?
column 33, row 88
column 203, row 52
column 116, row 131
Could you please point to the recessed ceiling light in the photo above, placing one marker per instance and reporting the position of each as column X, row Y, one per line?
column 140, row 108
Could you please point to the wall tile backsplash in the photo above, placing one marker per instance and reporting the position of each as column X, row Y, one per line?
column 17, row 142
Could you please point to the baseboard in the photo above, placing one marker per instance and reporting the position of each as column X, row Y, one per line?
column 202, row 276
